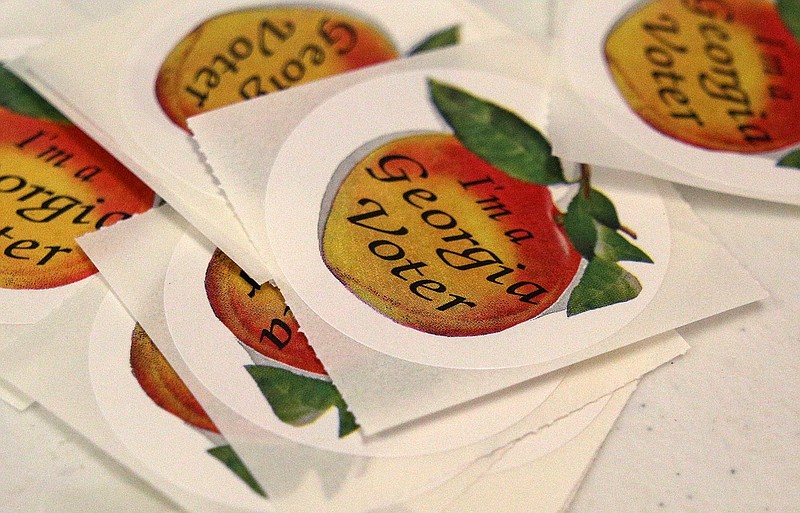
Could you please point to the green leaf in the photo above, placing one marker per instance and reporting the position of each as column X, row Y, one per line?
column 614, row 247
column 792, row 159
column 580, row 226
column 789, row 11
column 230, row 459
column 447, row 37
column 347, row 421
column 602, row 209
column 300, row 400
column 603, row 283
column 17, row 96
column 497, row 135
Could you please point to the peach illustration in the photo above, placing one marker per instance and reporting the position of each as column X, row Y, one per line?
column 259, row 318
column 244, row 54
column 437, row 239
column 257, row 315
column 55, row 185
column 162, row 384
column 720, row 75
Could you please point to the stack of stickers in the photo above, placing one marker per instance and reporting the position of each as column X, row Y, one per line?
column 417, row 285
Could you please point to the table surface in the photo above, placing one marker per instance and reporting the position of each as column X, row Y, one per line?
column 718, row 430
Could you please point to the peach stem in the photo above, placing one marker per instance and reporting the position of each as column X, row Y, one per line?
column 627, row 231
column 586, row 180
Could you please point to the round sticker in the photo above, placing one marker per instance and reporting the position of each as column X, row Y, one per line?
column 721, row 76
column 708, row 88
column 244, row 346
column 406, row 238
column 193, row 60
column 153, row 414
column 268, row 49
column 56, row 184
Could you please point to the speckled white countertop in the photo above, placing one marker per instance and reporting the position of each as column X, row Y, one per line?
column 716, row 431
column 719, row 429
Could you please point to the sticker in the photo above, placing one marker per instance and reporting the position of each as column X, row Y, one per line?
column 268, row 50
column 551, row 438
column 55, row 185
column 244, row 346
column 234, row 51
column 707, row 87
column 438, row 228
column 718, row 75
column 153, row 413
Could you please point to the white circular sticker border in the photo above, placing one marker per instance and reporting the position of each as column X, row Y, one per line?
column 398, row 103
column 28, row 306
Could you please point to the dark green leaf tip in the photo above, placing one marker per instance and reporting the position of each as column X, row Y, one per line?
column 791, row 159
column 616, row 248
column 229, row 458
column 603, row 283
column 448, row 37
column 603, row 210
column 789, row 11
column 19, row 97
column 300, row 400
column 347, row 421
